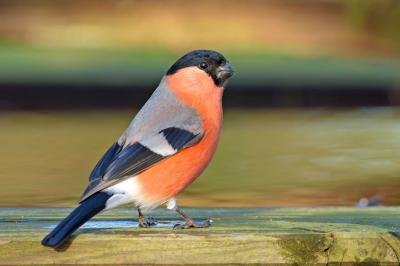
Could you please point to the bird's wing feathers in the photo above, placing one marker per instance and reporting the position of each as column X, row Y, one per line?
column 136, row 158
column 140, row 147
column 105, row 161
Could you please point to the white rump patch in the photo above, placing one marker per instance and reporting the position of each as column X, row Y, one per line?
column 126, row 192
column 171, row 204
column 158, row 144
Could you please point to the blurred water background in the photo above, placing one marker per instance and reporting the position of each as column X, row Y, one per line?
column 311, row 118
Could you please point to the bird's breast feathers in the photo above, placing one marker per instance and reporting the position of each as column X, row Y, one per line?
column 198, row 90
column 168, row 178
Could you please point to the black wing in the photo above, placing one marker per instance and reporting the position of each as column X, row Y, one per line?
column 105, row 161
column 120, row 163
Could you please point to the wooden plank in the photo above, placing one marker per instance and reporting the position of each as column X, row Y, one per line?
column 326, row 235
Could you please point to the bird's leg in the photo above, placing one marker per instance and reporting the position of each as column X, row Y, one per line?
column 189, row 221
column 143, row 222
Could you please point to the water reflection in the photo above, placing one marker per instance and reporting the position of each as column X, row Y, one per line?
column 116, row 225
column 265, row 157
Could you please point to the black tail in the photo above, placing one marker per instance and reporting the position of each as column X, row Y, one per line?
column 79, row 216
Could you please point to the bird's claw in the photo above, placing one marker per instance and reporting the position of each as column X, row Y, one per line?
column 193, row 224
column 147, row 222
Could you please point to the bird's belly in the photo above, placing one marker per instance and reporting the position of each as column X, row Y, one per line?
column 167, row 179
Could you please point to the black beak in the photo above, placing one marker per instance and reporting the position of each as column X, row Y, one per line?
column 225, row 71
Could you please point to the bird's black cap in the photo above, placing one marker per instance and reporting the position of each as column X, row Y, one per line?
column 209, row 61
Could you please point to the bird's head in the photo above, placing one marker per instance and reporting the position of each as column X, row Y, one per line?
column 209, row 62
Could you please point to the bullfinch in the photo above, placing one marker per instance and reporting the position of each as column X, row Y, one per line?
column 166, row 147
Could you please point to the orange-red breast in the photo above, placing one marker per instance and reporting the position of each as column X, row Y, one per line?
column 166, row 147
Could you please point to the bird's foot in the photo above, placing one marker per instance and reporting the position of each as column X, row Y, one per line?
column 143, row 222
column 189, row 224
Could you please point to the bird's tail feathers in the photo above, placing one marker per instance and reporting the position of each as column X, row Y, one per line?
column 77, row 217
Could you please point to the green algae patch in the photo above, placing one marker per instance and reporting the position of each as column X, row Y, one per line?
column 363, row 249
column 305, row 249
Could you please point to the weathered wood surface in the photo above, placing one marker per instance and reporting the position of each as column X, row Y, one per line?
column 329, row 236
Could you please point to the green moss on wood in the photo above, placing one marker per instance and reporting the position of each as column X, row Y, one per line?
column 304, row 249
column 301, row 236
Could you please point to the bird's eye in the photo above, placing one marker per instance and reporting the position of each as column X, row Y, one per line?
column 203, row 65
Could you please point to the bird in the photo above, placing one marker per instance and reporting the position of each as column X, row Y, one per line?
column 168, row 144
